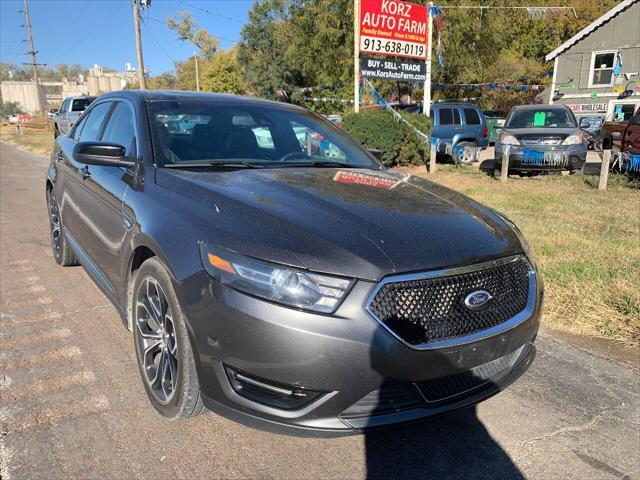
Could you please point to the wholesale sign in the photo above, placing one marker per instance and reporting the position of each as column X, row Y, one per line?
column 393, row 27
column 397, row 70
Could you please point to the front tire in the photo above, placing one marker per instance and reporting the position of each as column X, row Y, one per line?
column 56, row 131
column 62, row 252
column 163, row 349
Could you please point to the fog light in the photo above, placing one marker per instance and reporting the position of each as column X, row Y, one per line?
column 266, row 392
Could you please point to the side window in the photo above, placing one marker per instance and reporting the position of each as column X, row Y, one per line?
column 78, row 127
column 91, row 126
column 471, row 116
column 120, row 128
column 456, row 117
column 63, row 107
column 446, row 116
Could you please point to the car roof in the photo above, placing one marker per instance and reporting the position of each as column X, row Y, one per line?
column 541, row 105
column 149, row 96
column 455, row 104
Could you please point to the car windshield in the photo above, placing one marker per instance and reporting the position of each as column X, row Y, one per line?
column 192, row 133
column 541, row 118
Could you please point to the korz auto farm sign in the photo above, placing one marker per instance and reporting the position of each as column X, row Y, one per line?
column 393, row 27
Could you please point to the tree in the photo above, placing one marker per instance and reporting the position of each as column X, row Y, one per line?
column 9, row 108
column 222, row 73
column 304, row 47
column 187, row 29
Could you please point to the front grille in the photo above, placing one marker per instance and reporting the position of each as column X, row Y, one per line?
column 395, row 397
column 389, row 398
column 540, row 140
column 446, row 387
column 432, row 309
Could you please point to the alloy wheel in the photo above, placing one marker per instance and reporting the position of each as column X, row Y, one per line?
column 54, row 217
column 156, row 339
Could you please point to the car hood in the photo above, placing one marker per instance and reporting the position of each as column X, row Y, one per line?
column 352, row 222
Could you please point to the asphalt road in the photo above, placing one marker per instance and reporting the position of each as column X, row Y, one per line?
column 72, row 404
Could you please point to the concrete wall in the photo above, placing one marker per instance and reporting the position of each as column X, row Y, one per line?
column 22, row 92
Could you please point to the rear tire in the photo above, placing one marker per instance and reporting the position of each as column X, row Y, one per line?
column 163, row 350
column 466, row 158
column 63, row 254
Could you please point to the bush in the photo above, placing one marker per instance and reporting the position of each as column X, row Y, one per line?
column 400, row 144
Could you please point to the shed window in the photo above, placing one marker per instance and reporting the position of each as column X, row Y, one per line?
column 602, row 68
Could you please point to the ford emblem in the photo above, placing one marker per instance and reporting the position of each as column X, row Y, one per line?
column 478, row 299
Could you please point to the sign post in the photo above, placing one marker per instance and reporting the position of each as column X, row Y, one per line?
column 426, row 101
column 356, row 55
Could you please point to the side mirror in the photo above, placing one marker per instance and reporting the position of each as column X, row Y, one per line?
column 100, row 153
column 376, row 153
column 53, row 111
column 635, row 120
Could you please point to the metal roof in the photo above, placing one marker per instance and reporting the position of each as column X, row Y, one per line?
column 590, row 28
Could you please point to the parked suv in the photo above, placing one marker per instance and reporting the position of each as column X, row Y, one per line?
column 296, row 289
column 70, row 111
column 459, row 125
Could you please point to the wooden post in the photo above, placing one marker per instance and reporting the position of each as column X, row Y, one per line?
column 356, row 56
column 504, row 172
column 432, row 157
column 604, row 170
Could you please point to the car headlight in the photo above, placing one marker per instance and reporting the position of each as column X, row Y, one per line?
column 523, row 241
column 573, row 139
column 277, row 283
column 506, row 139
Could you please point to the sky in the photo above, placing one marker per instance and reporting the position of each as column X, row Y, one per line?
column 89, row 32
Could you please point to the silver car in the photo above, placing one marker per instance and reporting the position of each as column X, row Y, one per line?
column 541, row 138
column 69, row 113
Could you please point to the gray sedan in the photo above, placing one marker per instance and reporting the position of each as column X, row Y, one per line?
column 541, row 138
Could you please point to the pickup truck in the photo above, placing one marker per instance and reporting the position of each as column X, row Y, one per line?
column 623, row 138
column 70, row 111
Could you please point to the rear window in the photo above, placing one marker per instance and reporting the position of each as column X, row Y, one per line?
column 541, row 118
column 471, row 116
column 81, row 104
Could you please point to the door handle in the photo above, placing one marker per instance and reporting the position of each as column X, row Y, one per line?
column 85, row 172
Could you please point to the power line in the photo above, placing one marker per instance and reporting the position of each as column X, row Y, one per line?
column 93, row 30
column 212, row 13
column 153, row 37
column 217, row 36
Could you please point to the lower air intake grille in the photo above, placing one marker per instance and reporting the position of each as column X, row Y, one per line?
column 432, row 309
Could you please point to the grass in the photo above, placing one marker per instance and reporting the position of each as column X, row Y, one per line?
column 586, row 244
column 35, row 141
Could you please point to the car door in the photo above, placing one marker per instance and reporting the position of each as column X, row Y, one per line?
column 72, row 172
column 449, row 121
column 62, row 118
column 104, row 226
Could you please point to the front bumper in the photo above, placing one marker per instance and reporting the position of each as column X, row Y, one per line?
column 576, row 156
column 346, row 355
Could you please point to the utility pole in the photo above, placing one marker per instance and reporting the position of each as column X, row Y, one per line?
column 426, row 101
column 356, row 56
column 136, row 26
column 34, row 63
column 195, row 57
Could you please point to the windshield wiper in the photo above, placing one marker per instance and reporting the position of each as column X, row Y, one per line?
column 317, row 163
column 214, row 163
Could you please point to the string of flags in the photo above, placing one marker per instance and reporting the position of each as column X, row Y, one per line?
column 328, row 100
column 490, row 86
column 438, row 23
column 381, row 101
